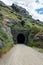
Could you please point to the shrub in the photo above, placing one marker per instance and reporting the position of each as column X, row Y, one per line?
column 22, row 23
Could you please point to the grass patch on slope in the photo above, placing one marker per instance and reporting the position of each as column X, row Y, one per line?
column 34, row 29
column 7, row 42
column 16, row 27
column 8, row 13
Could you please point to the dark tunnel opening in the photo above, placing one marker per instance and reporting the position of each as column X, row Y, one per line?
column 20, row 39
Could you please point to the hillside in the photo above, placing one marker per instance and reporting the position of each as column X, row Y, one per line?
column 11, row 17
column 2, row 4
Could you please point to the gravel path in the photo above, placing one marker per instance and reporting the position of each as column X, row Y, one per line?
column 22, row 55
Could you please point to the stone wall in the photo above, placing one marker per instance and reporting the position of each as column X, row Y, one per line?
column 15, row 34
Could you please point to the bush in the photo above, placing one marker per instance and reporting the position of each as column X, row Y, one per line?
column 22, row 23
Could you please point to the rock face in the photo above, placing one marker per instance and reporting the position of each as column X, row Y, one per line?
column 13, row 22
column 36, row 38
column 8, row 31
column 39, row 36
column 1, row 3
column 20, row 10
column 40, row 23
column 1, row 43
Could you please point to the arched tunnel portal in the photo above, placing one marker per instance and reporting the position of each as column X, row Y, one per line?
column 20, row 38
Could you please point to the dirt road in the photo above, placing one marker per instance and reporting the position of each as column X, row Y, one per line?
column 22, row 55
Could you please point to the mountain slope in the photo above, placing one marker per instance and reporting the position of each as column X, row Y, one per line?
column 12, row 15
column 2, row 4
column 25, row 13
column 20, row 10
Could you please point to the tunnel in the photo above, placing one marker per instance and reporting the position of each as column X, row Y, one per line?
column 20, row 39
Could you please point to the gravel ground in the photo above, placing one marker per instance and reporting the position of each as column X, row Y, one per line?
column 22, row 55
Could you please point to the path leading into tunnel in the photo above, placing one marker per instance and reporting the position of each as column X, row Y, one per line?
column 22, row 55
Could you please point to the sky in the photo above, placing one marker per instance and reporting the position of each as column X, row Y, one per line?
column 34, row 7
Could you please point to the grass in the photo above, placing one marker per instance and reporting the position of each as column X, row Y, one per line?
column 8, row 13
column 7, row 42
column 34, row 29
column 16, row 27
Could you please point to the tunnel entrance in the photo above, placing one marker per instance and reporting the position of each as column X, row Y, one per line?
column 20, row 39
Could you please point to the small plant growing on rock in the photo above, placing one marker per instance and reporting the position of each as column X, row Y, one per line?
column 22, row 23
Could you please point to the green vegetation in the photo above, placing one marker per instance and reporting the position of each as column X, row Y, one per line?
column 22, row 23
column 19, row 27
column 7, row 42
column 8, row 13
column 25, row 25
column 1, row 16
column 34, row 29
